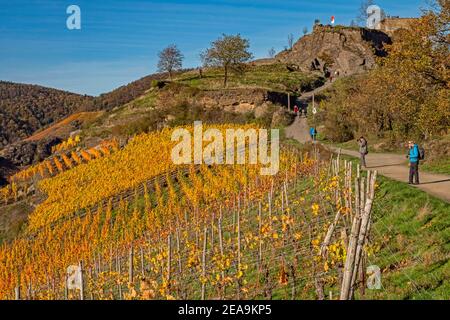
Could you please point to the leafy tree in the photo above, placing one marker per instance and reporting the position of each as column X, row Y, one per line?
column 170, row 60
column 228, row 52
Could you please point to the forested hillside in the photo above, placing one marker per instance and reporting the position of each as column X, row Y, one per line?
column 26, row 108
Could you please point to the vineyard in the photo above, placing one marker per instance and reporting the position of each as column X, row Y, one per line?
column 23, row 183
column 151, row 231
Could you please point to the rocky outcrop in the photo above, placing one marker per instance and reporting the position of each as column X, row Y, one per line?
column 6, row 169
column 25, row 153
column 241, row 100
column 28, row 152
column 343, row 49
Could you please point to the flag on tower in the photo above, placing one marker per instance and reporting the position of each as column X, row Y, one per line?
column 332, row 20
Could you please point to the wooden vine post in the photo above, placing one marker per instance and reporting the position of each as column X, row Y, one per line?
column 169, row 257
column 82, row 281
column 130, row 264
column 205, row 238
column 238, row 253
column 364, row 198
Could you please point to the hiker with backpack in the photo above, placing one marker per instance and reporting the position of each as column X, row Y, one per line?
column 363, row 150
column 415, row 155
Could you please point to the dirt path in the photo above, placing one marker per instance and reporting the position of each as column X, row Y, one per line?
column 393, row 166
column 299, row 130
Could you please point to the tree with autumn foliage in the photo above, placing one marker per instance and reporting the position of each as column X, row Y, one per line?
column 228, row 52
column 407, row 94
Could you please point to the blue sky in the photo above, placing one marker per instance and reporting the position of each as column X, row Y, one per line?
column 119, row 39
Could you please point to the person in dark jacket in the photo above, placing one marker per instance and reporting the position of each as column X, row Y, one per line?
column 363, row 151
column 413, row 162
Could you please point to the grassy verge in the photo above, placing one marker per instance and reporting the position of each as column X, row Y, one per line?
column 410, row 237
column 439, row 166
column 274, row 77
column 412, row 230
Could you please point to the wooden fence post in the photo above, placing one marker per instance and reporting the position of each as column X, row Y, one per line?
column 221, row 251
column 119, row 270
column 82, row 280
column 169, row 256
column 289, row 101
column 179, row 252
column 259, row 237
column 142, row 261
column 130, row 264
column 239, row 251
column 17, row 292
column 363, row 204
column 66, row 290
column 205, row 236
column 351, row 250
column 369, row 197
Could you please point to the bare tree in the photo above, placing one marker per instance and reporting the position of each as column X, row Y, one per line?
column 272, row 52
column 228, row 52
column 362, row 16
column 170, row 60
column 290, row 41
column 305, row 31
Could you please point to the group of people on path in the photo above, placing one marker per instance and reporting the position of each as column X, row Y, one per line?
column 312, row 130
column 299, row 112
column 414, row 155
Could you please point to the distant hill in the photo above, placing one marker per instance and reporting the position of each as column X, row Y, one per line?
column 26, row 108
column 129, row 92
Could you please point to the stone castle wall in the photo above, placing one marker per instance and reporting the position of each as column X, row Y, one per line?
column 390, row 25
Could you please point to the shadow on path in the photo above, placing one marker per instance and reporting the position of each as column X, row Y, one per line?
column 386, row 165
column 433, row 182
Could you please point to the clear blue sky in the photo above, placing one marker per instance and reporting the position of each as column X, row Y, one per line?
column 120, row 39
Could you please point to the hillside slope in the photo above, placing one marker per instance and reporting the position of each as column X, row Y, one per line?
column 26, row 108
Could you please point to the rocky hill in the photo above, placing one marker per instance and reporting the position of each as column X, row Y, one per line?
column 344, row 49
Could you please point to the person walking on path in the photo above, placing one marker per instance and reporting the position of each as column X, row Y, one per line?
column 313, row 133
column 413, row 156
column 363, row 151
column 296, row 110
